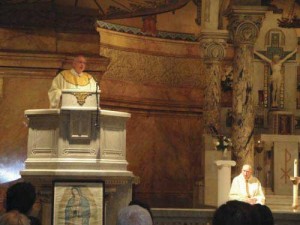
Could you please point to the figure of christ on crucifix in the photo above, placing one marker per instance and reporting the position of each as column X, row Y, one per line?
column 276, row 75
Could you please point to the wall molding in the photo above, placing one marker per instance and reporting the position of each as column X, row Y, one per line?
column 137, row 31
column 44, row 65
column 152, row 106
column 148, row 45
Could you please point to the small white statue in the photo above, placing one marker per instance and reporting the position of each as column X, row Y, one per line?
column 276, row 76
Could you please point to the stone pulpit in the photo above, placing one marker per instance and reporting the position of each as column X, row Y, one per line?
column 78, row 142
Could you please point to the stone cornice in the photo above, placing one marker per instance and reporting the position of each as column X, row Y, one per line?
column 152, row 106
column 148, row 45
column 246, row 10
column 214, row 34
column 138, row 31
column 19, row 64
column 244, row 23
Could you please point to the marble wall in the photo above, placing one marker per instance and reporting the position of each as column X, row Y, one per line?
column 167, row 159
column 19, row 94
column 163, row 95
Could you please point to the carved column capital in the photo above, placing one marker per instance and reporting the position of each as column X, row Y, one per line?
column 213, row 45
column 244, row 23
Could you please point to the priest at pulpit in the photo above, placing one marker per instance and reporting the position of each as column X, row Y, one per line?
column 74, row 78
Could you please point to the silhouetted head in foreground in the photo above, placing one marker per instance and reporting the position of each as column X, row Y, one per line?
column 236, row 213
column 265, row 214
column 134, row 215
column 143, row 205
column 20, row 196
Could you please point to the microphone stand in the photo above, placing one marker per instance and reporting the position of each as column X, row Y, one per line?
column 97, row 125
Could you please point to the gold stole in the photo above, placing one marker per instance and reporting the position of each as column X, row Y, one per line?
column 82, row 80
column 247, row 188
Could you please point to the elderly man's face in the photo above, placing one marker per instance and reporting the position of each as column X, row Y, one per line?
column 247, row 172
column 79, row 64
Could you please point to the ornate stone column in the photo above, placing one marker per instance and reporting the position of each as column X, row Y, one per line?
column 213, row 45
column 244, row 25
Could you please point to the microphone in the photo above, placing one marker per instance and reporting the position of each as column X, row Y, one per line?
column 97, row 125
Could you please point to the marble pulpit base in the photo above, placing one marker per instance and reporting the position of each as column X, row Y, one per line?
column 68, row 145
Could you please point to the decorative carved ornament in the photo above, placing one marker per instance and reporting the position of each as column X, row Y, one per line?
column 244, row 29
column 81, row 97
column 246, row 32
column 175, row 72
column 213, row 50
column 74, row 151
column 213, row 45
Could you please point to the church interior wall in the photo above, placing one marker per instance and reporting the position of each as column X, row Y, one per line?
column 29, row 61
column 48, row 41
column 162, row 136
column 19, row 94
column 159, row 81
column 167, row 160
column 164, row 93
column 183, row 20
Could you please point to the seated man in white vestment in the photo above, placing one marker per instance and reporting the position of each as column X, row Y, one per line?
column 75, row 78
column 247, row 188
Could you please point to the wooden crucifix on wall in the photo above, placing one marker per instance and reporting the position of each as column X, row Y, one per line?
column 275, row 57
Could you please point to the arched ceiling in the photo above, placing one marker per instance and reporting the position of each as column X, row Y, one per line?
column 104, row 9
column 71, row 13
column 81, row 15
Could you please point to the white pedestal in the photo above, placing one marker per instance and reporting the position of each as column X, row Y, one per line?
column 224, row 179
column 211, row 178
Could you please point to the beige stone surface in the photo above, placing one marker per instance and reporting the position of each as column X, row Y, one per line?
column 32, row 40
column 149, row 69
column 284, row 155
column 211, row 177
column 285, row 150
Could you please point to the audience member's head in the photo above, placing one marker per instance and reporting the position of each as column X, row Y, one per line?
column 134, row 215
column 143, row 205
column 20, row 196
column 265, row 214
column 235, row 213
column 14, row 218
